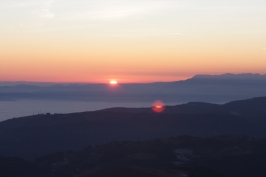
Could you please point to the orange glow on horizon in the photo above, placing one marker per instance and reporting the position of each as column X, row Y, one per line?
column 66, row 43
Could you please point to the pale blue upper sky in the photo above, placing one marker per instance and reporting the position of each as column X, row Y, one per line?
column 157, row 16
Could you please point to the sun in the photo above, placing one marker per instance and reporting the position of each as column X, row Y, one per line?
column 113, row 82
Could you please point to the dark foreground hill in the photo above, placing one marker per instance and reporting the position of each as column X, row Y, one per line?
column 35, row 136
column 134, row 172
column 183, row 156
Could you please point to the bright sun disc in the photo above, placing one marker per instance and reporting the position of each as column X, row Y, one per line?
column 113, row 82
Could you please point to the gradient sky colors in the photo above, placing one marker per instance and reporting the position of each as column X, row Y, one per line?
column 130, row 41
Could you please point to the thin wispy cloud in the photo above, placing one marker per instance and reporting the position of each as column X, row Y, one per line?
column 158, row 73
column 40, row 8
column 112, row 13
column 120, row 9
column 175, row 33
column 229, row 8
column 148, row 33
column 23, row 4
column 44, row 11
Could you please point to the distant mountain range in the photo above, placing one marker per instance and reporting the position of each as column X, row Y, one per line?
column 34, row 136
column 207, row 88
column 245, row 76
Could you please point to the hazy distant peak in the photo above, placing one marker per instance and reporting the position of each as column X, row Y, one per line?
column 248, row 76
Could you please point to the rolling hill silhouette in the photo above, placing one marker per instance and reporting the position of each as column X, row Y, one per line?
column 34, row 136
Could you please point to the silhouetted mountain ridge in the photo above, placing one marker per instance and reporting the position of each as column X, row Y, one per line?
column 244, row 76
column 228, row 78
column 254, row 106
column 47, row 133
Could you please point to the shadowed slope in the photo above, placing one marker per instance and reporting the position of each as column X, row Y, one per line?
column 34, row 136
column 134, row 172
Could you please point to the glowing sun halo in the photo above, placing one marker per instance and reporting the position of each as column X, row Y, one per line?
column 113, row 82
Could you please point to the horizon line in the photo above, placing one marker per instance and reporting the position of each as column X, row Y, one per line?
column 143, row 82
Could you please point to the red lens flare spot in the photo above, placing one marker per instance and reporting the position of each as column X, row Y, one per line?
column 158, row 106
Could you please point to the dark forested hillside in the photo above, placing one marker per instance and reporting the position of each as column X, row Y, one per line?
column 34, row 136
column 183, row 156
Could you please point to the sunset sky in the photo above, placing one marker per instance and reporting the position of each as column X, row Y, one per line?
column 130, row 41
